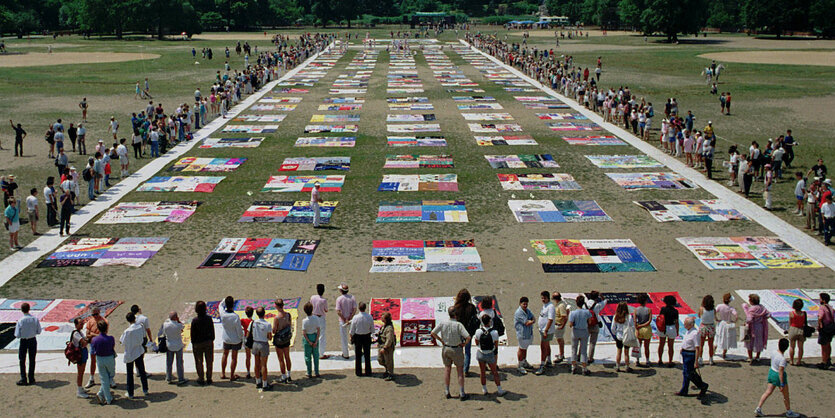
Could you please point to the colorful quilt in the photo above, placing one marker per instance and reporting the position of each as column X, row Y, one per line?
column 540, row 99
column 273, row 107
column 569, row 126
column 691, row 210
column 315, row 163
column 259, row 118
column 546, row 106
column 271, row 99
column 411, row 256
column 418, row 161
column 285, row 184
column 148, row 212
column 231, row 142
column 419, row 182
column 487, row 116
column 207, row 164
column 474, row 98
column 487, row 141
column 423, row 211
column 340, row 107
column 637, row 181
column 725, row 253
column 203, row 184
column 416, row 127
column 411, row 106
column 317, row 129
column 494, row 127
column 98, row 252
column 557, row 211
column 56, row 317
column 590, row 256
column 416, row 141
column 296, row 212
column 343, row 100
column 251, row 129
column 416, row 117
column 480, row 106
column 561, row 116
column 334, row 118
column 779, row 304
column 594, row 140
column 326, row 141
column 624, row 161
column 275, row 253
column 522, row 161
column 291, row 91
column 407, row 100
column 538, row 181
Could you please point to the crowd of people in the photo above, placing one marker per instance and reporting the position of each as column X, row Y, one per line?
column 152, row 131
column 580, row 321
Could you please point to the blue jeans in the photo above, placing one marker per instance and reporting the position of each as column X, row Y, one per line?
column 170, row 356
column 154, row 148
column 467, row 356
column 90, row 185
column 28, row 348
column 688, row 360
column 107, row 371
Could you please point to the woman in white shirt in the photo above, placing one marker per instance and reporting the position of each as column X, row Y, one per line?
column 310, row 334
column 777, row 379
column 621, row 324
column 707, row 327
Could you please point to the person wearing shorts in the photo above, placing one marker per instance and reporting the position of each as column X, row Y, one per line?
column 487, row 340
column 826, row 326
column 261, row 333
column 453, row 337
column 233, row 338
column 523, row 321
column 797, row 321
column 546, row 331
column 777, row 378
column 12, row 214
column 78, row 340
column 668, row 335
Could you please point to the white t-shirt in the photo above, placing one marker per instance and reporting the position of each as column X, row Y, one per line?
column 310, row 325
column 31, row 203
column 122, row 150
column 548, row 312
column 48, row 195
column 477, row 337
column 114, row 126
column 777, row 361
column 800, row 187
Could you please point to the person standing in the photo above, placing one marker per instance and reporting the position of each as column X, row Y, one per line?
column 82, row 137
column 707, row 153
column 596, row 306
column 826, row 329
column 172, row 330
column 114, row 127
column 797, row 322
column 144, row 321
column 72, row 132
column 828, row 216
column 622, row 324
column 134, row 354
column 104, row 347
column 202, row 342
column 51, row 202
column 12, row 214
column 643, row 327
column 124, row 162
column 346, row 307
column 362, row 325
column 689, row 352
column 311, row 331
column 467, row 314
column 233, row 337
column 315, row 200
column 546, row 331
column 66, row 211
column 669, row 332
column 726, row 333
column 523, row 321
column 61, row 161
column 248, row 312
column 756, row 317
column 83, row 106
column 453, row 337
column 768, row 182
column 78, row 341
column 261, row 333
column 19, row 134
column 386, row 344
column 320, row 308
column 26, row 330
column 487, row 339
column 707, row 327
column 91, row 333
column 32, row 210
column 777, row 379
column 282, row 337
column 579, row 322
column 560, row 321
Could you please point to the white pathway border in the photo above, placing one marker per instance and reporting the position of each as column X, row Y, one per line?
column 49, row 241
column 411, row 357
column 786, row 231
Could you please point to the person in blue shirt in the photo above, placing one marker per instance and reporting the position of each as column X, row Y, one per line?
column 12, row 214
column 523, row 321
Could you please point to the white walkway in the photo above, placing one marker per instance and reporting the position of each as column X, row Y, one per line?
column 787, row 232
column 18, row 261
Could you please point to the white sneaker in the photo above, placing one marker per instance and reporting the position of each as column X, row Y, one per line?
column 483, row 391
column 522, row 370
column 758, row 412
column 81, row 394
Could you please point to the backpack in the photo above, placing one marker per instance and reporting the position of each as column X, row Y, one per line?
column 86, row 174
column 592, row 321
column 660, row 323
column 498, row 325
column 71, row 352
column 485, row 341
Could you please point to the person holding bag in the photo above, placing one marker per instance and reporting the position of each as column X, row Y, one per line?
column 623, row 328
column 282, row 337
column 667, row 327
column 643, row 327
column 756, row 317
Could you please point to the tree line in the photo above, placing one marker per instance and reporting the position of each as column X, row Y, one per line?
column 161, row 17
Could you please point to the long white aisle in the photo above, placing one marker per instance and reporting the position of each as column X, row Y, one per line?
column 18, row 261
column 786, row 231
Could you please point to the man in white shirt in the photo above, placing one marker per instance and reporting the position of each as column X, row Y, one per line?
column 114, row 126
column 142, row 320
column 122, row 152
column 362, row 325
column 134, row 354
column 315, row 200
column 828, row 215
column 547, row 329
column 172, row 330
column 261, row 333
column 51, row 202
column 233, row 337
column 346, row 307
column 26, row 329
column 689, row 346
column 32, row 210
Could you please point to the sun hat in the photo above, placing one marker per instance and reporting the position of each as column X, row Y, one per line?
column 343, row 287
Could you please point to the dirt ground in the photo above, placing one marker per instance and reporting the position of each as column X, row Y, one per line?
column 826, row 58
column 32, row 59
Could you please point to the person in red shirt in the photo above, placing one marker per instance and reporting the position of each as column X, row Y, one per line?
column 245, row 324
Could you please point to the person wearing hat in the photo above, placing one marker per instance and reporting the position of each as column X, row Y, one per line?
column 12, row 214
column 100, row 146
column 768, row 182
column 315, row 200
column 346, row 307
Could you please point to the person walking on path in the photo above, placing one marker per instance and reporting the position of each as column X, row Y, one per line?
column 51, row 202
column 32, row 210
column 26, row 330
column 311, row 331
column 233, row 337
column 523, row 321
column 134, row 354
column 826, row 329
column 78, row 341
column 346, row 307
column 689, row 352
column 172, row 330
column 487, row 339
column 453, row 337
column 362, row 325
column 282, row 337
column 12, row 214
column 261, row 333
column 104, row 346
column 387, row 341
column 202, row 343
column 315, row 200
column 777, row 378
column 320, row 308
column 756, row 318
column 19, row 135
column 546, row 331
column 578, row 320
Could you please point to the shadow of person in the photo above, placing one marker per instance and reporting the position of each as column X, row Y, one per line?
column 644, row 372
column 712, row 397
column 155, row 397
column 406, row 380
column 51, row 384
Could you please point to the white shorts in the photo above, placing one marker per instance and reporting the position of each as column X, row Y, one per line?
column 524, row 344
column 14, row 227
column 123, row 159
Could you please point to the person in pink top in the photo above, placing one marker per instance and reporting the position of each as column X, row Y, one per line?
column 320, row 308
column 756, row 317
column 346, row 307
column 726, row 334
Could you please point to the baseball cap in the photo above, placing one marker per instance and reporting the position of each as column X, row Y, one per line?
column 827, row 181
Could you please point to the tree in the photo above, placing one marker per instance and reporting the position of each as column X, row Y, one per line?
column 672, row 18
column 765, row 15
column 630, row 12
column 323, row 11
column 724, row 14
column 822, row 17
column 347, row 10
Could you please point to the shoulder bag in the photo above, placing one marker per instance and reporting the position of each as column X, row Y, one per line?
column 807, row 330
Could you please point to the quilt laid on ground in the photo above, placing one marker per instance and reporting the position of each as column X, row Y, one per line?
column 416, row 141
column 97, row 252
column 419, row 182
column 637, row 181
column 205, row 184
column 414, row 256
column 207, row 164
column 334, row 118
column 273, row 107
column 251, row 129
column 494, row 127
column 148, row 212
column 56, row 317
column 317, row 129
column 557, row 211
column 480, row 106
column 570, row 126
column 487, row 116
column 488, row 141
column 725, row 253
column 538, row 181
column 418, row 161
column 691, row 210
column 522, row 161
column 259, row 118
column 779, row 304
column 594, row 140
column 275, row 253
column 340, row 107
column 326, row 141
column 561, row 116
column 315, row 163
column 247, row 142
column 624, row 161
column 282, row 184
column 415, row 127
column 410, row 117
column 297, row 212
column 423, row 211
column 590, row 256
